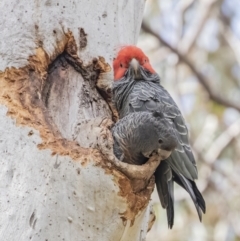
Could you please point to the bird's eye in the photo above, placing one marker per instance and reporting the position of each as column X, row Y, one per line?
column 121, row 65
column 145, row 60
column 160, row 141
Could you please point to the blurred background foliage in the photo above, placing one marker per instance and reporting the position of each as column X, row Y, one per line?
column 194, row 45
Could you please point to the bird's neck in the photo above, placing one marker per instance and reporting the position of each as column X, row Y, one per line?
column 121, row 91
column 123, row 88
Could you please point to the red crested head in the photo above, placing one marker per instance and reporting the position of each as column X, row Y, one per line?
column 130, row 56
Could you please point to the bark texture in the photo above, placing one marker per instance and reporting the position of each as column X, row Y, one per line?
column 55, row 184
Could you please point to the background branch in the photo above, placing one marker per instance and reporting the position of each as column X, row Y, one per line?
column 202, row 79
column 195, row 29
column 182, row 8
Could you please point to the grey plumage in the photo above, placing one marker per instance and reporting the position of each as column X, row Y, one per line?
column 148, row 95
column 138, row 135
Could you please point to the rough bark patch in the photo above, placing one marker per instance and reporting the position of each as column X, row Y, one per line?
column 137, row 202
column 21, row 90
column 24, row 91
column 83, row 38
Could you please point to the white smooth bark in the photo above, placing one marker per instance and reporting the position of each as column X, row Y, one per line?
column 50, row 189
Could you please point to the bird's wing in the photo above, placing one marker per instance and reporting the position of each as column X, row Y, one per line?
column 150, row 96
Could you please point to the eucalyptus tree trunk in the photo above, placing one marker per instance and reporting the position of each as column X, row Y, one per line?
column 55, row 184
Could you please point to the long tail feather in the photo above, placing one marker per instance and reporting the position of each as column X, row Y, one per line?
column 164, row 183
column 191, row 188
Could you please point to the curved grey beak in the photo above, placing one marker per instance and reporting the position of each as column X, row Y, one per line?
column 135, row 69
